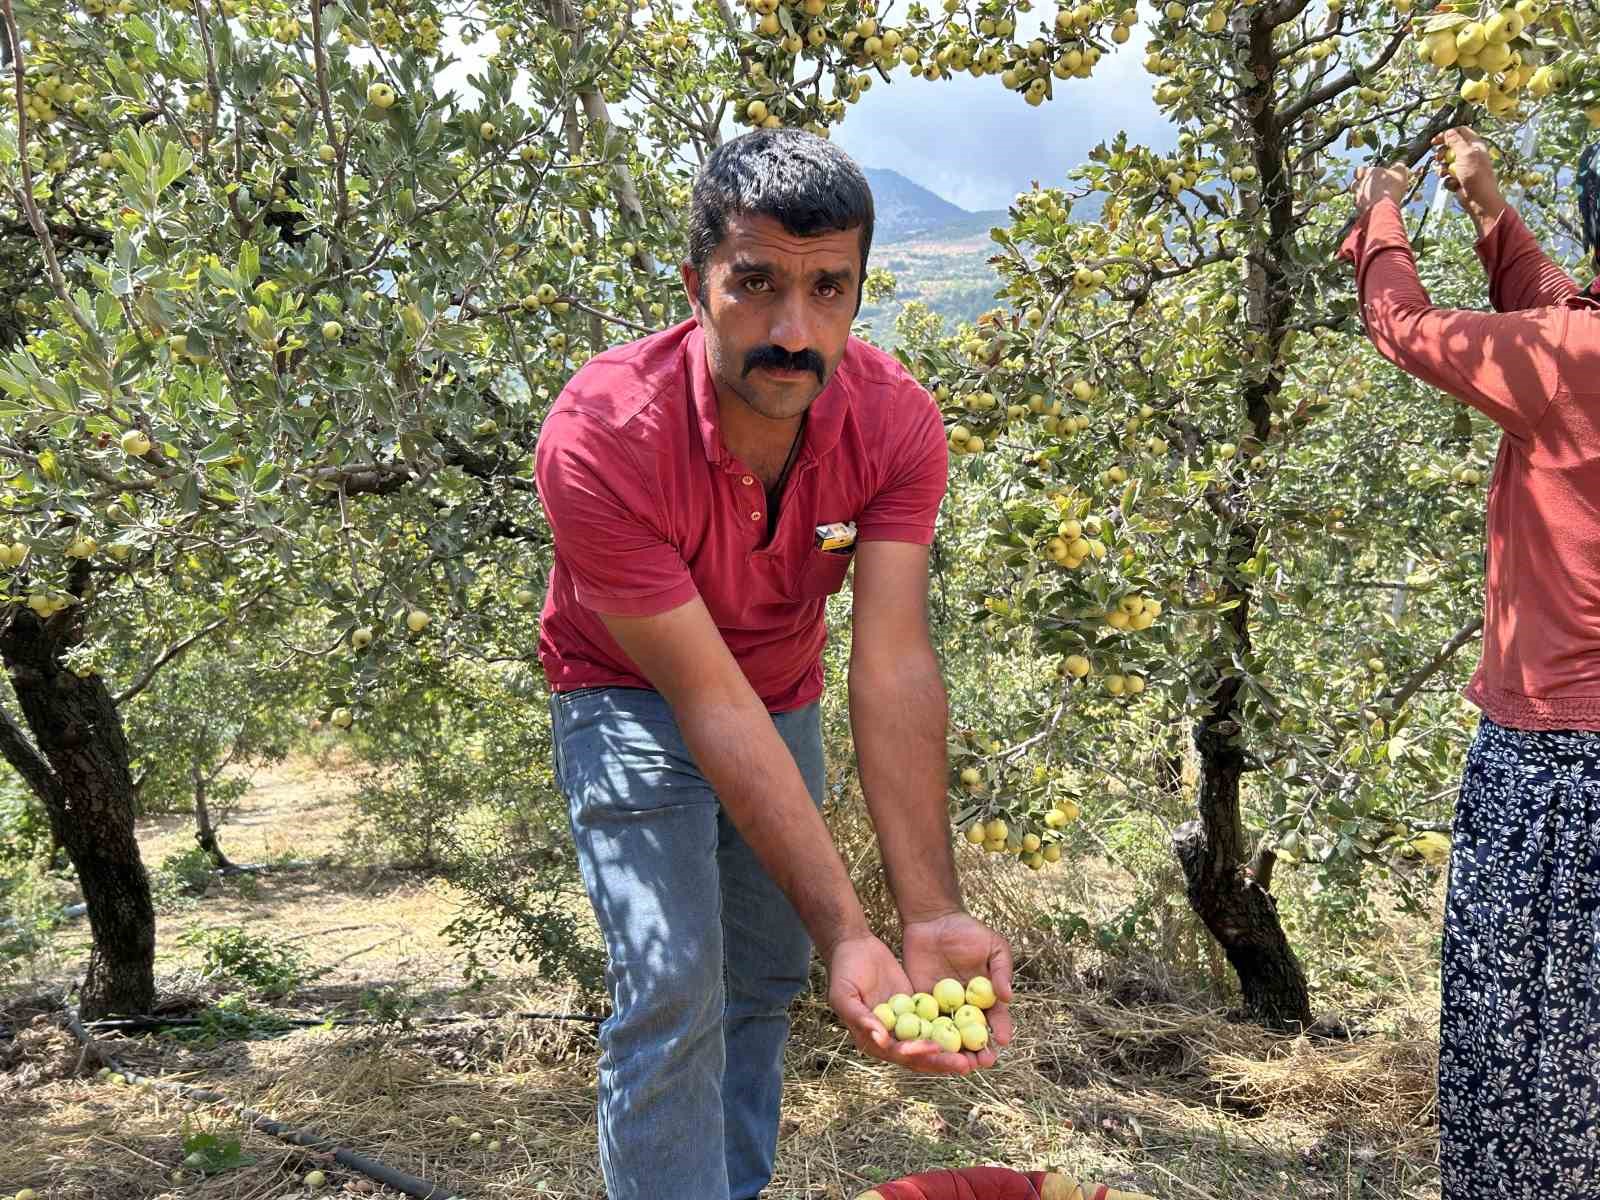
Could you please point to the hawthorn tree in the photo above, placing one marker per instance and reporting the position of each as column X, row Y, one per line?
column 1191, row 454
column 285, row 314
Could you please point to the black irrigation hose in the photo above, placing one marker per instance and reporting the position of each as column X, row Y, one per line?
column 152, row 1024
column 420, row 1189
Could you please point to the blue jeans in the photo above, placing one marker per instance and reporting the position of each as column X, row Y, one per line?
column 704, row 953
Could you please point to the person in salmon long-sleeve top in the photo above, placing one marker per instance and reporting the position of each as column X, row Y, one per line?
column 1519, row 1028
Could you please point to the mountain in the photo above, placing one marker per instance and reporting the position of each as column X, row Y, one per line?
column 905, row 209
column 937, row 252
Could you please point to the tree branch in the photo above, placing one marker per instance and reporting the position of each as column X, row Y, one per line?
column 1413, row 683
column 180, row 647
column 27, row 761
column 1340, row 83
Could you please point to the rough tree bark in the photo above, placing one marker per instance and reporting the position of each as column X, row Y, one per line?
column 205, row 833
column 77, row 764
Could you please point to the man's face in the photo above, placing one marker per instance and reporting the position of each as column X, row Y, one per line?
column 776, row 311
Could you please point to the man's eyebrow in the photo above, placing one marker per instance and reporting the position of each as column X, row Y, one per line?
column 750, row 266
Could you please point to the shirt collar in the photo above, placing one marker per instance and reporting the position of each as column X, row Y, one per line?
column 823, row 427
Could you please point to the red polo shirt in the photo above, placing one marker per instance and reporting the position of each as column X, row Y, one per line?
column 650, row 509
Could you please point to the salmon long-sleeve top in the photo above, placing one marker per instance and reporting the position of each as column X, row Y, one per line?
column 1533, row 367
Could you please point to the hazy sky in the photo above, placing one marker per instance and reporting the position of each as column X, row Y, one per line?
column 978, row 145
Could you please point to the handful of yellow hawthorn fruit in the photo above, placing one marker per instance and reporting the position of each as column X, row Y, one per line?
column 951, row 1015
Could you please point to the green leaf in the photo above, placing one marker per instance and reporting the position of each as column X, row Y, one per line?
column 249, row 262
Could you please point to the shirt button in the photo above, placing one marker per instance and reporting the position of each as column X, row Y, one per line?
column 755, row 516
column 748, row 480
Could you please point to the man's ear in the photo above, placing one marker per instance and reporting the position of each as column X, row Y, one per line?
column 692, row 286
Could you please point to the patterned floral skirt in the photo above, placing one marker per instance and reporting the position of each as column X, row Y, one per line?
column 1519, row 1029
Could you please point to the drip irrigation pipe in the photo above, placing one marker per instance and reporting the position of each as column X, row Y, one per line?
column 154, row 1024
column 382, row 1173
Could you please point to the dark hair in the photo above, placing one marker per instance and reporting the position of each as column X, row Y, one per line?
column 1589, row 200
column 803, row 181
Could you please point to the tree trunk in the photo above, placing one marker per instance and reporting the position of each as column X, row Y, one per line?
column 204, row 832
column 1233, row 896
column 80, row 771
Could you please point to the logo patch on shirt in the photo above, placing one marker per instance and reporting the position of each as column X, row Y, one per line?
column 838, row 537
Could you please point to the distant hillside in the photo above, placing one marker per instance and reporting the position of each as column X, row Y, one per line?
column 906, row 209
column 937, row 251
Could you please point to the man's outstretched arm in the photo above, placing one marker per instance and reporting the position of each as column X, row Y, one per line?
column 739, row 750
column 899, row 718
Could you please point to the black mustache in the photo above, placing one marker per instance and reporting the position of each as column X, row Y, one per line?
column 777, row 358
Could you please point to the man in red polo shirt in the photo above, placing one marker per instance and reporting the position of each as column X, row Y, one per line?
column 708, row 488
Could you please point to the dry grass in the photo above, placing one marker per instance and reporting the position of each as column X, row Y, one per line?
column 1133, row 1078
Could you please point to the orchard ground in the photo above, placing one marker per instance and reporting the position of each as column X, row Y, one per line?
column 1120, row 1072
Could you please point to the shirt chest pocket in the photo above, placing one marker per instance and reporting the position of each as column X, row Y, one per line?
column 822, row 573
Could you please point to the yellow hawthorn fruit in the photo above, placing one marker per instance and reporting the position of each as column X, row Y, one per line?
column 1115, row 684
column 1077, row 665
column 974, row 445
column 380, row 95
column 971, row 776
column 980, row 992
column 974, row 1036
column 1471, row 38
column 1133, row 684
column 327, row 153
column 341, row 718
column 949, row 994
column 1055, row 820
column 946, row 1034
column 886, row 1015
column 969, row 1014
column 1068, row 808
column 996, row 830
column 332, row 331
column 1052, row 853
column 1441, row 49
column 974, row 834
column 487, row 131
column 315, row 1179
column 1503, row 26
column 1033, row 860
column 361, row 637
column 135, row 443
column 1030, row 842
column 908, row 1027
column 925, row 1006
column 417, row 620
column 900, row 1004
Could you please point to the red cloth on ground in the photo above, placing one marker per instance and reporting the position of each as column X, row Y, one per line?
column 973, row 1183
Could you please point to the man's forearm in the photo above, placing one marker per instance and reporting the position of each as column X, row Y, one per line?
column 898, row 715
column 741, row 754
